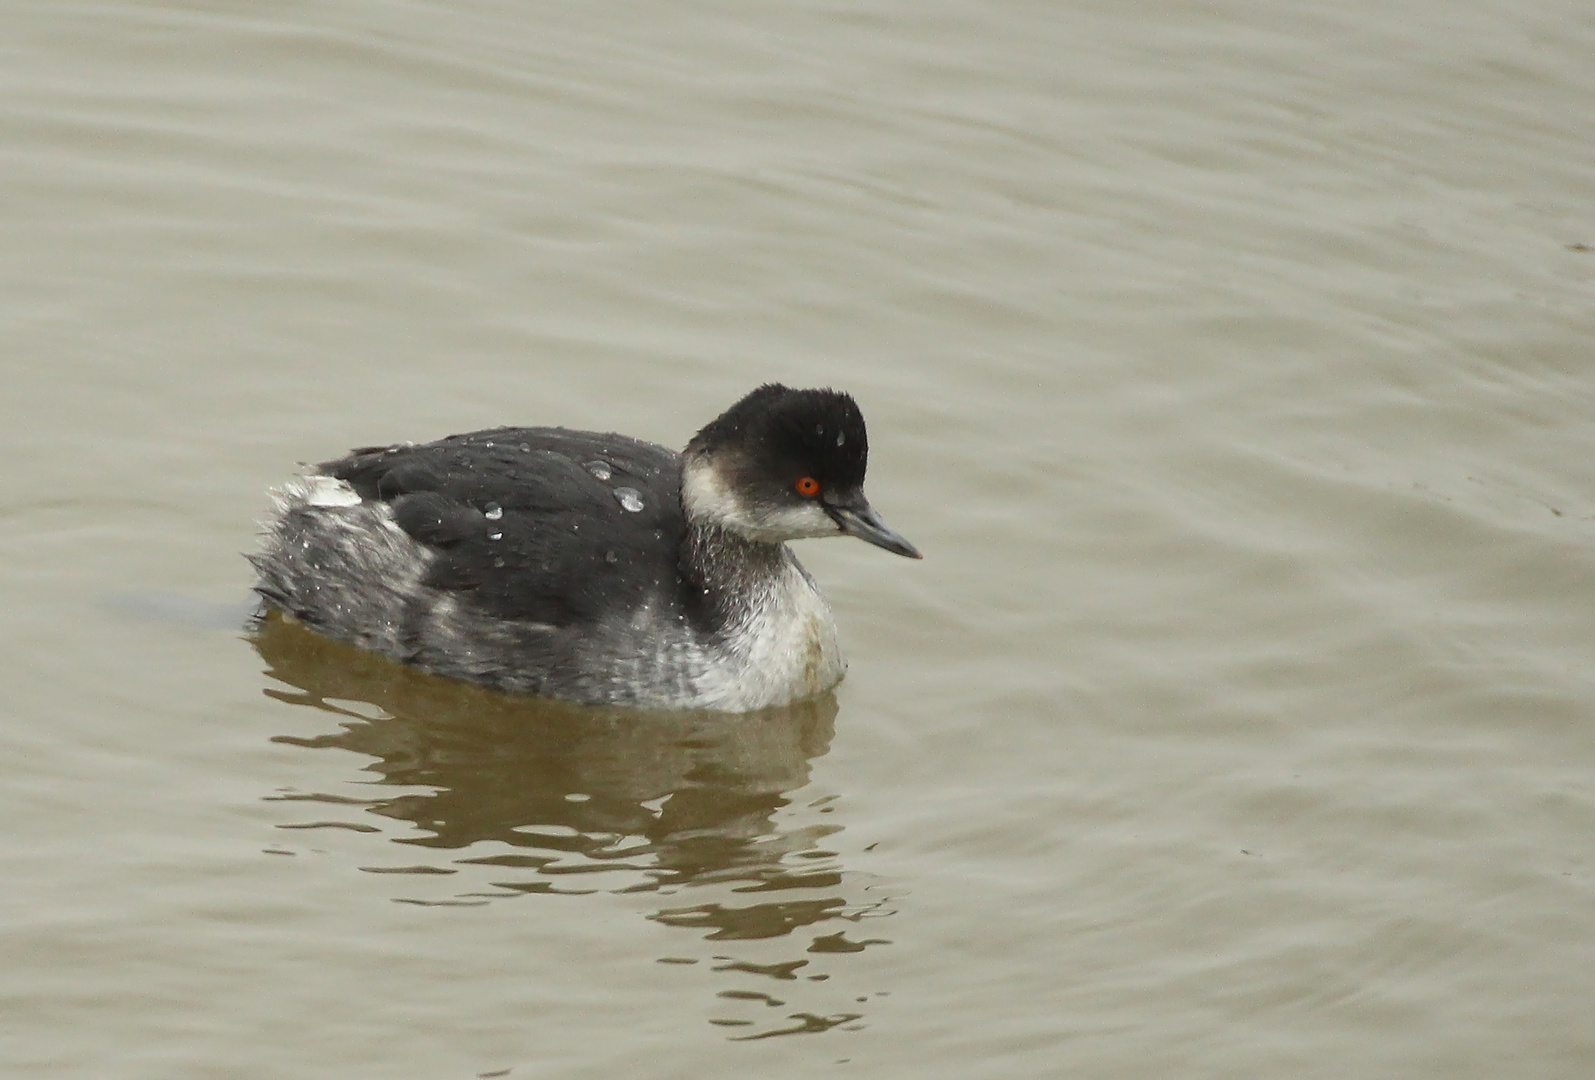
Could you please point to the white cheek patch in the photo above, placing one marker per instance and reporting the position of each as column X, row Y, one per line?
column 796, row 522
column 707, row 497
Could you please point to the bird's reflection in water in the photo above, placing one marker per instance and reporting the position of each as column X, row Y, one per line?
column 531, row 796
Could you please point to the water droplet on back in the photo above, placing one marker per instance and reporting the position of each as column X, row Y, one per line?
column 630, row 499
column 493, row 512
column 599, row 469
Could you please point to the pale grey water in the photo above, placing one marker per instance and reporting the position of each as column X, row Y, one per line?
column 1231, row 364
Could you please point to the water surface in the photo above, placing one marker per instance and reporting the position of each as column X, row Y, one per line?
column 1230, row 365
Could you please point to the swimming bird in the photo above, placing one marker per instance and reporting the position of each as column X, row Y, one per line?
column 590, row 567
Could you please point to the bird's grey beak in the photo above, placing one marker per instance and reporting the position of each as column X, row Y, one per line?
column 859, row 519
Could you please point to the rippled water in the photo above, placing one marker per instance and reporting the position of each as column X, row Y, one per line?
column 1231, row 365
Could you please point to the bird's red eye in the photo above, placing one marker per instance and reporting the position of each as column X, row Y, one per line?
column 807, row 486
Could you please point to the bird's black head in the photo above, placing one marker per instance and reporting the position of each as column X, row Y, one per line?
column 782, row 464
column 818, row 433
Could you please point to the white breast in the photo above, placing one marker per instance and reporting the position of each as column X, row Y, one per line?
column 785, row 649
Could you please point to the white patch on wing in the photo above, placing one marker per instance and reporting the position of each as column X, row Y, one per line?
column 317, row 489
